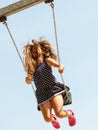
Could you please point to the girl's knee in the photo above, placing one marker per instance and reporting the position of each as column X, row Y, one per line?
column 58, row 113
column 47, row 118
column 61, row 114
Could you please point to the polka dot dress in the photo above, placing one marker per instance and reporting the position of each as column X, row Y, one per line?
column 46, row 84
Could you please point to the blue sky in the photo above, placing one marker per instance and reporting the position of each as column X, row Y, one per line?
column 77, row 28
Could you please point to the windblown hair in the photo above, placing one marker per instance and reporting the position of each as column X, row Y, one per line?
column 31, row 54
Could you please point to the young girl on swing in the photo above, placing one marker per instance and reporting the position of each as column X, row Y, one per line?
column 39, row 59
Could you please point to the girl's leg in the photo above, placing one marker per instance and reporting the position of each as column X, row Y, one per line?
column 46, row 110
column 57, row 105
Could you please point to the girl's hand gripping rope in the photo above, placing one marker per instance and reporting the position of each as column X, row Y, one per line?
column 28, row 79
column 61, row 68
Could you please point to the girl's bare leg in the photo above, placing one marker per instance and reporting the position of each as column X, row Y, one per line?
column 46, row 110
column 57, row 105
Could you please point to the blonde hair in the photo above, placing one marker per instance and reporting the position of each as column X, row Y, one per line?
column 31, row 55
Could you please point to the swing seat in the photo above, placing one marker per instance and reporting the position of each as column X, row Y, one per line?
column 67, row 98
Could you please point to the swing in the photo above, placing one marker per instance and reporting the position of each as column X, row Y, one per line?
column 67, row 97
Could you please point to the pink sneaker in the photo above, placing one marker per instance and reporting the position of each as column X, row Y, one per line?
column 71, row 120
column 55, row 124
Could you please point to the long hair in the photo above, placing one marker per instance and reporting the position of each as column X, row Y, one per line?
column 31, row 54
column 30, row 63
column 47, row 49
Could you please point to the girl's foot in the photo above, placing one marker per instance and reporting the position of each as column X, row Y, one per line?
column 72, row 119
column 55, row 124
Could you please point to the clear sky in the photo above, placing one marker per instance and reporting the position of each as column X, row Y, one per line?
column 77, row 28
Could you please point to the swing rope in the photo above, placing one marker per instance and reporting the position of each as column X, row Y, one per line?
column 55, row 30
column 14, row 43
column 56, row 39
column 5, row 23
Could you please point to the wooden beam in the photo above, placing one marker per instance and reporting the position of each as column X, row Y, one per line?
column 18, row 6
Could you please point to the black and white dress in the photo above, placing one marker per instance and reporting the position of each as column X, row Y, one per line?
column 46, row 84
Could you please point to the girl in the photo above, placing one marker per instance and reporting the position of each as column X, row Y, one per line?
column 39, row 59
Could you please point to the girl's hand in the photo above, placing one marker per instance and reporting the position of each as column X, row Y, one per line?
column 61, row 68
column 28, row 79
column 52, row 62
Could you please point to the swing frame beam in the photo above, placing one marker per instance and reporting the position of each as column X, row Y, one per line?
column 19, row 6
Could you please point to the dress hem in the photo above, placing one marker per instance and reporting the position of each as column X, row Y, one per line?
column 51, row 97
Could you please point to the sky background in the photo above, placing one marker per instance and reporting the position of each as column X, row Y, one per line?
column 77, row 29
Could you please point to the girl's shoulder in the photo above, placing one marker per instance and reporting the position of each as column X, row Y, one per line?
column 48, row 61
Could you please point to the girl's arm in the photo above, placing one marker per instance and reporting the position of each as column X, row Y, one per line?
column 52, row 62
